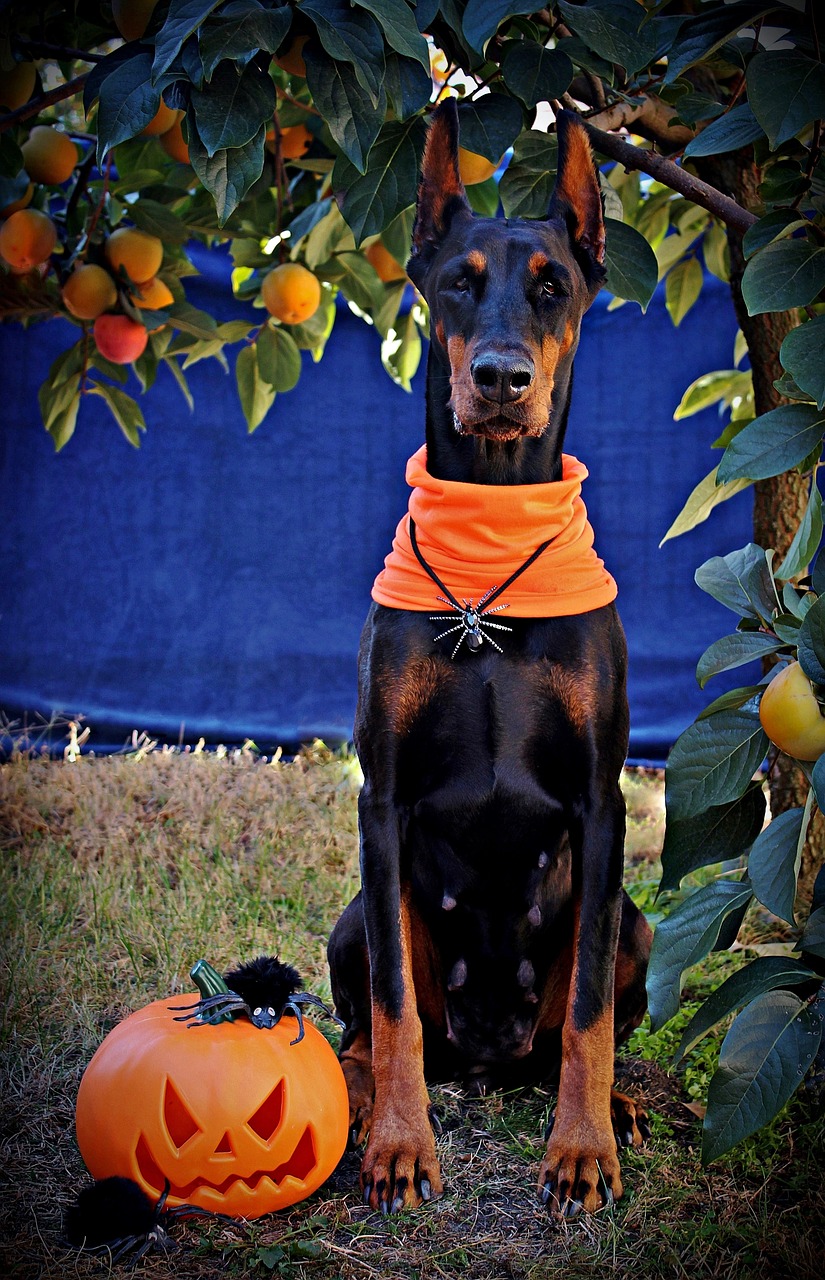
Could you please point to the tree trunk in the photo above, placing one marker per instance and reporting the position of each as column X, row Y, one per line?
column 779, row 502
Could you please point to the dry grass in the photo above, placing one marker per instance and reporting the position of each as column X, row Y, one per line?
column 120, row 872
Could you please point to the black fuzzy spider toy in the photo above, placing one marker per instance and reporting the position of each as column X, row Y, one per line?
column 115, row 1216
column 262, row 990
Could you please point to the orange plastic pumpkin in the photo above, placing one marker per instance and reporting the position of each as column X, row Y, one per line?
column 238, row 1119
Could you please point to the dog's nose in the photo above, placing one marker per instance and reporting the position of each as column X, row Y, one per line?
column 502, row 377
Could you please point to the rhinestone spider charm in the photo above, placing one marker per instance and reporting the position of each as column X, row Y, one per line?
column 473, row 623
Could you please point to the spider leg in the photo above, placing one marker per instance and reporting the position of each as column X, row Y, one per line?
column 123, row 1247
column 296, row 1010
column 487, row 595
column 212, row 1009
column 458, row 646
column 450, row 630
column 306, row 997
column 493, row 609
column 195, row 1211
column 491, row 641
column 442, row 617
column 499, row 626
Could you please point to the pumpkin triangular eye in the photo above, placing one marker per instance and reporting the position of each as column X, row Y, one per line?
column 267, row 1119
column 224, row 1147
column 180, row 1122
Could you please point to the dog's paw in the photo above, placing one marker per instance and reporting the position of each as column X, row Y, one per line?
column 631, row 1123
column 400, row 1168
column 573, row 1180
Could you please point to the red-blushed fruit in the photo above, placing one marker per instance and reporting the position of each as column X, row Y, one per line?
column 119, row 338
column 89, row 291
column 26, row 239
column 791, row 716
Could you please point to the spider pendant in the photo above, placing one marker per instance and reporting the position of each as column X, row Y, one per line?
column 473, row 625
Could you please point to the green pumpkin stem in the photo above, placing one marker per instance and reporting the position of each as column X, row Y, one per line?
column 210, row 983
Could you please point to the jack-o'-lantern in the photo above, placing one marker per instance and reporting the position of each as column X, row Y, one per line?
column 239, row 1118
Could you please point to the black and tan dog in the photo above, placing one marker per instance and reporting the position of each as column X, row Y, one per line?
column 492, row 937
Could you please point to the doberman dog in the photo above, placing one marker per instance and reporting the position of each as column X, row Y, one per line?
column 492, row 938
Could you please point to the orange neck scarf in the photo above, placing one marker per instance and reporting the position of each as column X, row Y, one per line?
column 474, row 536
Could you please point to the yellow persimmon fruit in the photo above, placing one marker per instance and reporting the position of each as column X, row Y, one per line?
column 475, row 168
column 26, row 239
column 119, row 338
column 161, row 121
column 137, row 252
column 132, row 17
column 291, row 293
column 49, row 155
column 292, row 60
column 154, row 295
column 21, row 203
column 791, row 716
column 386, row 267
column 174, row 143
column 89, row 291
column 17, row 85
column 296, row 140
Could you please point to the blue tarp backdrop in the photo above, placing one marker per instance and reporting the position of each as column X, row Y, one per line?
column 214, row 583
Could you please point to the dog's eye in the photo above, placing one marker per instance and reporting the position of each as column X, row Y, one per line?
column 462, row 285
column 548, row 288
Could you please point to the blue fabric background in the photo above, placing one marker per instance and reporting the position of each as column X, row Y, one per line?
column 214, row 583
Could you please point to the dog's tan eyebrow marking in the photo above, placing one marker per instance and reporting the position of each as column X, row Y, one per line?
column 537, row 262
column 477, row 260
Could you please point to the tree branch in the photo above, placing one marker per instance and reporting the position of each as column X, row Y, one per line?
column 35, row 105
column 673, row 176
column 651, row 115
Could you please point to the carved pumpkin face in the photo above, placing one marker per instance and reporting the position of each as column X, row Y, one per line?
column 238, row 1119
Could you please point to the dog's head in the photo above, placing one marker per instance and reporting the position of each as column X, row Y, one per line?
column 506, row 297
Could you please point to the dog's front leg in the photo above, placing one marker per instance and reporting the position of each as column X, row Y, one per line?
column 400, row 1167
column 580, row 1169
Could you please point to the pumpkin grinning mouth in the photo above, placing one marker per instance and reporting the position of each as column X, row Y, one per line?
column 299, row 1165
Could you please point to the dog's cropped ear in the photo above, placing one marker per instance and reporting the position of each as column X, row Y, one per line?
column 441, row 195
column 576, row 198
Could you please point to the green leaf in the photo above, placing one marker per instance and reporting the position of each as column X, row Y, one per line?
column 723, row 385
column 806, row 539
column 180, row 378
column 155, row 218
column 353, row 119
column 741, row 581
column 62, row 427
column 398, row 24
column 55, row 398
column 702, row 500
column 527, row 183
column 401, row 351
column 229, row 174
column 684, row 937
column 734, row 651
column 713, row 761
column 720, row 834
column 632, row 269
column 786, row 90
column 242, row 33
column 813, row 935
column 483, row 197
column 773, row 443
column 489, row 125
column 785, row 274
column 731, row 700
column 731, row 131
column 190, row 319
column 352, row 36
column 535, row 74
column 811, row 643
column 389, row 185
column 125, row 411
column 231, row 109
column 767, row 973
column 356, row 279
column 615, row 31
column 708, row 31
column 183, row 19
column 763, row 1058
column 482, row 17
column 684, row 284
column 716, row 252
column 773, row 226
column 128, row 101
column 818, row 782
column 803, row 355
column 408, row 86
column 256, row 394
column 279, row 360
column 774, row 859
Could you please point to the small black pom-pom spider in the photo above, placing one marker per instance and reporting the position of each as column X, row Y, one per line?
column 116, row 1216
column 263, row 991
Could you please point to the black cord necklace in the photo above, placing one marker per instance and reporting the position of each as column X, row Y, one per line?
column 473, row 618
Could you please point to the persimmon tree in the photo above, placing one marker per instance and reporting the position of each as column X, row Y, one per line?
column 292, row 132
